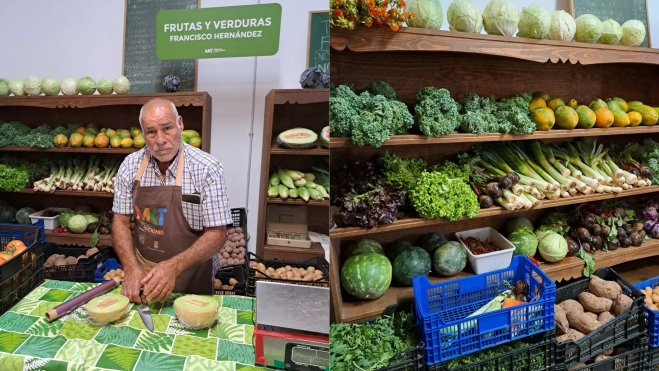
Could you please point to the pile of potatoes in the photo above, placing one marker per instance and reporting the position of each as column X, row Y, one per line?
column 114, row 273
column 287, row 273
column 219, row 286
column 233, row 251
column 57, row 260
column 651, row 297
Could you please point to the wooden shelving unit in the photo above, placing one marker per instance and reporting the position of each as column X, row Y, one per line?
column 287, row 109
column 489, row 66
column 116, row 111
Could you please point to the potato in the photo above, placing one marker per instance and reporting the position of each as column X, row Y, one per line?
column 270, row 269
column 592, row 315
column 605, row 317
column 654, row 298
column 71, row 260
column 652, row 307
column 622, row 304
column 122, row 274
column 311, row 269
column 577, row 366
column 261, row 267
column 289, row 268
column 573, row 309
column 107, row 277
column 595, row 304
column 607, row 352
column 225, row 255
column 227, row 287
column 289, row 275
column 656, row 290
column 576, row 333
column 60, row 262
column 233, row 281
column 585, row 324
column 566, row 337
column 241, row 256
column 281, row 271
column 239, row 230
column 560, row 319
column 92, row 251
column 308, row 277
column 297, row 276
column 604, row 289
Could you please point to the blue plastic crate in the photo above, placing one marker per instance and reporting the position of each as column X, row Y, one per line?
column 442, row 310
column 107, row 266
column 651, row 316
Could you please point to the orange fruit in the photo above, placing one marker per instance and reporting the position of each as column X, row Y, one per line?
column 554, row 103
column 604, row 118
column 76, row 140
column 543, row 118
column 60, row 140
column 101, row 141
column 537, row 103
column 635, row 118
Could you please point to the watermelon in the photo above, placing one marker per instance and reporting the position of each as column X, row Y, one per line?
column 411, row 262
column 325, row 137
column 517, row 223
column 431, row 241
column 392, row 250
column 450, row 259
column 366, row 276
column 525, row 241
column 362, row 246
column 23, row 215
column 7, row 214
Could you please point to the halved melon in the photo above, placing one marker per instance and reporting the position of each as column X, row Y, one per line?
column 325, row 137
column 107, row 308
column 297, row 138
column 196, row 311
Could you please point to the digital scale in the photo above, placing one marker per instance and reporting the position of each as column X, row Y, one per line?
column 286, row 349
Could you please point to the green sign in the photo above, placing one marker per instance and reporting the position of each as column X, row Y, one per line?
column 234, row 31
column 318, row 53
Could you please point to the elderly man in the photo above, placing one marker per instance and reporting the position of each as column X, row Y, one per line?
column 176, row 196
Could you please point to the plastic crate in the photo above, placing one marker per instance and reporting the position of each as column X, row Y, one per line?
column 653, row 358
column 443, row 308
column 24, row 272
column 83, row 271
column 318, row 263
column 619, row 330
column 239, row 217
column 107, row 266
column 651, row 316
column 239, row 273
column 537, row 355
column 635, row 359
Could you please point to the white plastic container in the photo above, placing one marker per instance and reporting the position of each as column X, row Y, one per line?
column 491, row 261
column 51, row 222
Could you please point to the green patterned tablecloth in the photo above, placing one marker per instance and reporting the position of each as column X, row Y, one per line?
column 29, row 342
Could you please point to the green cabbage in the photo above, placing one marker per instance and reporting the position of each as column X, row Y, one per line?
column 50, row 86
column 589, row 29
column 69, row 86
column 4, row 87
column 463, row 16
column 32, row 85
column 104, row 86
column 552, row 247
column 562, row 26
column 121, row 85
column 91, row 218
column 64, row 216
column 500, row 18
column 78, row 224
column 16, row 87
column 611, row 32
column 534, row 22
column 86, row 86
column 633, row 33
column 429, row 14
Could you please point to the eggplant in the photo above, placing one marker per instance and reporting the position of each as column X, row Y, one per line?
column 626, row 242
column 485, row 201
column 91, row 227
column 514, row 177
column 636, row 239
column 505, row 183
column 572, row 247
column 646, row 172
column 595, row 230
column 583, row 235
column 605, row 230
column 596, row 242
column 635, row 171
column 494, row 190
column 613, row 244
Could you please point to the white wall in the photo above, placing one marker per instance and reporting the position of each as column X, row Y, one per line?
column 85, row 38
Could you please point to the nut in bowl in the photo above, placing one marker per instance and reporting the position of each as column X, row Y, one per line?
column 487, row 249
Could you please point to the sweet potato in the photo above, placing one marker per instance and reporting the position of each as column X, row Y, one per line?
column 576, row 333
column 577, row 366
column 601, row 357
column 566, row 337
column 622, row 304
column 607, row 352
column 560, row 319
column 591, row 315
column 603, row 288
column 595, row 304
column 605, row 317
column 585, row 324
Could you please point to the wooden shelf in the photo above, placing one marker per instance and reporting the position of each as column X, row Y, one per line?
column 71, row 193
column 295, row 254
column 117, row 151
column 97, row 100
column 565, row 269
column 409, row 223
column 298, row 201
column 315, row 151
column 381, row 39
column 408, row 140
column 81, row 239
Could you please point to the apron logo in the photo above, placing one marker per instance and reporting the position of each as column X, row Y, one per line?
column 141, row 238
column 155, row 217
column 155, row 245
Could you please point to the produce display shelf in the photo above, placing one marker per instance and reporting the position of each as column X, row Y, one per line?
column 408, row 223
column 409, row 140
column 298, row 201
column 276, row 149
column 566, row 269
column 82, row 239
column 118, row 151
column 71, row 193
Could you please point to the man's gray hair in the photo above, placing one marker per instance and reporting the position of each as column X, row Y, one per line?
column 158, row 101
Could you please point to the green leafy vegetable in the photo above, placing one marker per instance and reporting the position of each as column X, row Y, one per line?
column 437, row 195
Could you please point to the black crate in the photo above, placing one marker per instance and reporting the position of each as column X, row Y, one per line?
column 239, row 273
column 83, row 271
column 318, row 263
column 653, row 358
column 537, row 355
column 635, row 359
column 239, row 217
column 615, row 332
column 24, row 272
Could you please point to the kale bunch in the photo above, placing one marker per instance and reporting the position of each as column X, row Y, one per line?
column 436, row 112
column 10, row 131
column 478, row 115
column 515, row 111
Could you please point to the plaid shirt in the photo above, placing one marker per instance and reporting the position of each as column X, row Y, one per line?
column 202, row 174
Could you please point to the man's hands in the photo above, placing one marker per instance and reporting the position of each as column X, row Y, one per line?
column 159, row 283
column 130, row 287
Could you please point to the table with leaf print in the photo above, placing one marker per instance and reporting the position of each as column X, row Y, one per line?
column 28, row 342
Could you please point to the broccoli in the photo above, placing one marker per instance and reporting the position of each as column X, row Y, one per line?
column 436, row 112
column 384, row 89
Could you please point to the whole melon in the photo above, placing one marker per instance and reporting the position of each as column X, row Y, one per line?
column 23, row 215
column 543, row 118
column 432, row 241
column 525, row 241
column 632, row 105
column 597, row 104
column 8, row 215
column 620, row 118
column 366, row 276
column 517, row 223
column 648, row 114
column 537, row 103
column 566, row 118
column 450, row 259
column 411, row 262
column 555, row 103
column 392, row 250
column 587, row 117
column 362, row 246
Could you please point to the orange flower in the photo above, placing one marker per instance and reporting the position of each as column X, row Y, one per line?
column 369, row 23
column 402, row 4
column 338, row 2
column 406, row 14
column 394, row 28
column 371, row 3
column 385, row 3
column 338, row 13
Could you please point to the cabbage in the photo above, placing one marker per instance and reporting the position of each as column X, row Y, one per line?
column 64, row 216
column 429, row 14
column 121, row 85
column 86, row 86
column 517, row 223
column 91, row 218
column 104, row 86
column 534, row 22
column 562, row 26
column 611, row 32
column 16, row 87
column 4, row 87
column 463, row 16
column 541, row 233
column 50, row 86
column 525, row 241
column 633, row 33
column 69, row 86
column 500, row 18
column 78, row 224
column 32, row 85
column 589, row 29
column 552, row 247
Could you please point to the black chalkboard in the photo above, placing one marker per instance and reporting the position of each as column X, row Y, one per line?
column 318, row 54
column 140, row 64
column 620, row 11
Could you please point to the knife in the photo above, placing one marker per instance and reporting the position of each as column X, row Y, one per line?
column 145, row 312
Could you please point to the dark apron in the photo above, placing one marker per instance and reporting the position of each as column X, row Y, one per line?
column 162, row 232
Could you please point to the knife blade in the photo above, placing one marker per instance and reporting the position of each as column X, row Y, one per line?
column 145, row 312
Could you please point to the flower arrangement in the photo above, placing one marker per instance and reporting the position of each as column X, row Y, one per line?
column 348, row 13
